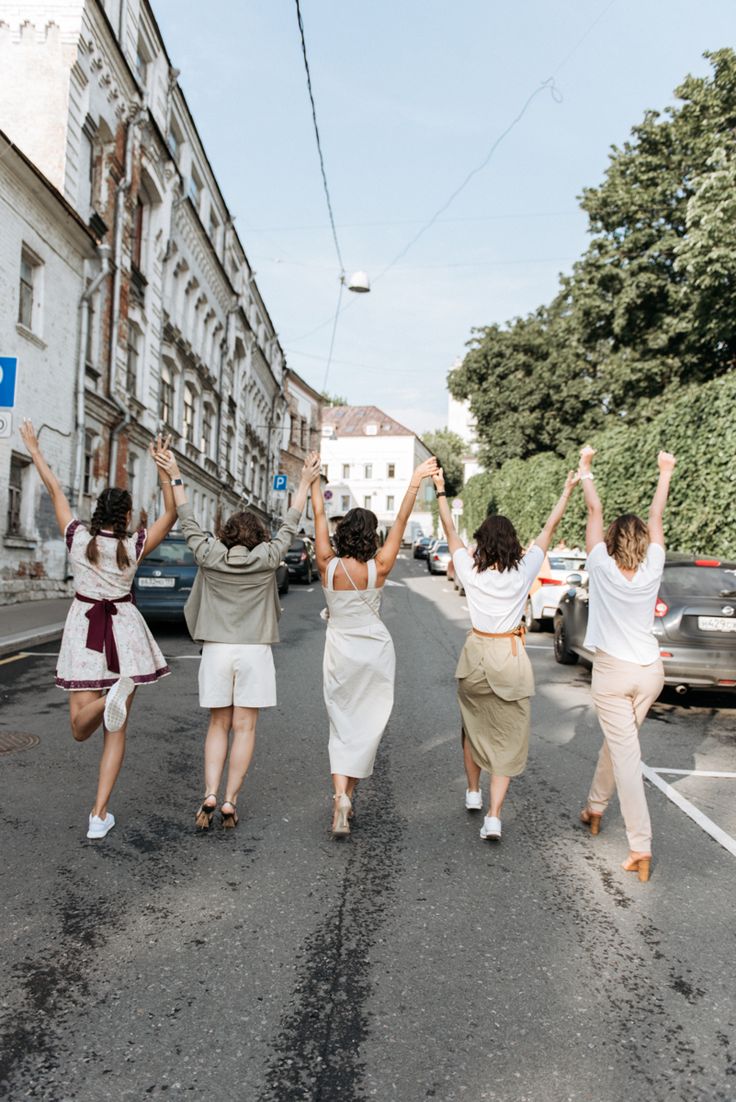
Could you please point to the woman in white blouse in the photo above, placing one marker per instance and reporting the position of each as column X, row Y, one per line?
column 625, row 566
column 494, row 674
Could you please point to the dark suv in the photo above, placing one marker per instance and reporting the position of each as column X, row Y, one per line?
column 694, row 623
column 300, row 560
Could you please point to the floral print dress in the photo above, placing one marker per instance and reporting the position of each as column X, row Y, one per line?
column 104, row 629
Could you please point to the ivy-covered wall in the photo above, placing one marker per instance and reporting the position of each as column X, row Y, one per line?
column 699, row 427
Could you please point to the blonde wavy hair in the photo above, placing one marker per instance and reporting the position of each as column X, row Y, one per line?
column 627, row 541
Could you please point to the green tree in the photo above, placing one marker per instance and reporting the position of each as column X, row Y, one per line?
column 449, row 449
column 334, row 399
column 649, row 307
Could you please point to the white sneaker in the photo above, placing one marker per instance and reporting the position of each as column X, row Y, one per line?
column 491, row 828
column 473, row 801
column 115, row 702
column 98, row 827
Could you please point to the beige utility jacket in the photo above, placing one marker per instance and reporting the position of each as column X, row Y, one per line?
column 234, row 598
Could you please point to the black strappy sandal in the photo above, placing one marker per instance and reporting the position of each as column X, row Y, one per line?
column 229, row 818
column 206, row 812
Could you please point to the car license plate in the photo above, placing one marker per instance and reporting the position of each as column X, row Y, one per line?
column 156, row 583
column 716, row 623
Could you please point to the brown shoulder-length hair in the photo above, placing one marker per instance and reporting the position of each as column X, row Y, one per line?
column 243, row 529
column 111, row 511
column 627, row 541
column 497, row 545
column 356, row 535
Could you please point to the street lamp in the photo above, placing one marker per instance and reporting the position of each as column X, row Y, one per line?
column 358, row 282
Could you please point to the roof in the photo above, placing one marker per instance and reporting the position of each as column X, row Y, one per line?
column 353, row 421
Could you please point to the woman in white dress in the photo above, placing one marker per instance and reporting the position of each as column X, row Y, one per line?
column 106, row 650
column 359, row 660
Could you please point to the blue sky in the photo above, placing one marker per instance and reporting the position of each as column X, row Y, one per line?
column 411, row 94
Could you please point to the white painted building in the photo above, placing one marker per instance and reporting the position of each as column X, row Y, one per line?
column 368, row 459
column 461, row 421
column 175, row 333
column 44, row 250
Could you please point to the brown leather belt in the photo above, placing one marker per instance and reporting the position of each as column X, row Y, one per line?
column 518, row 633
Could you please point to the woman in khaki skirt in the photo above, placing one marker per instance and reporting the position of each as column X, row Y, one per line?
column 494, row 674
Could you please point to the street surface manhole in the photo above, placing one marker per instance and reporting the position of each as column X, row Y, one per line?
column 16, row 740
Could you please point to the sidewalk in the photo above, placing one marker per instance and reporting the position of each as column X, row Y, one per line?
column 31, row 622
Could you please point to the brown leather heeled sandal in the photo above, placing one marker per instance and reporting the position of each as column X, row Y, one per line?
column 591, row 819
column 206, row 812
column 640, row 865
column 229, row 818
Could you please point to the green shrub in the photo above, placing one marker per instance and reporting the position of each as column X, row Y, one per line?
column 699, row 426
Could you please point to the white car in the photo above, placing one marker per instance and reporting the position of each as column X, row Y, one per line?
column 554, row 578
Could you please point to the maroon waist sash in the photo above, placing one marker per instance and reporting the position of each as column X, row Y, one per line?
column 100, row 636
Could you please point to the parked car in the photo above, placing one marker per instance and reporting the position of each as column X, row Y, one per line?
column 438, row 558
column 412, row 533
column 694, row 623
column 164, row 580
column 543, row 601
column 301, row 560
column 420, row 547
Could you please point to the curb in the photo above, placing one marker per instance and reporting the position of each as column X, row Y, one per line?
column 10, row 644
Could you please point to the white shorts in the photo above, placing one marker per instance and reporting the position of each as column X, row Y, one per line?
column 239, row 674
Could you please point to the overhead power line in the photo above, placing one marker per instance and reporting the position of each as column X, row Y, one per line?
column 547, row 84
column 319, row 141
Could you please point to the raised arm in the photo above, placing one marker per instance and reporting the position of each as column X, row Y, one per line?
column 386, row 556
column 453, row 540
column 322, row 545
column 544, row 538
column 59, row 500
column 280, row 544
column 594, row 523
column 666, row 463
column 199, row 542
column 163, row 524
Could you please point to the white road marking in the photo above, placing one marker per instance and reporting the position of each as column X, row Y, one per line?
column 402, row 585
column 693, row 772
column 697, row 816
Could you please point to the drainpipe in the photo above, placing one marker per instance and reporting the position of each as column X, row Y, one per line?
column 84, row 309
column 121, row 192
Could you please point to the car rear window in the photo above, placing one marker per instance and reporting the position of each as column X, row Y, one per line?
column 173, row 553
column 556, row 562
column 442, row 547
column 297, row 545
column 700, row 581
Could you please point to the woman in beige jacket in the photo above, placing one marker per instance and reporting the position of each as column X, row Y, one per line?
column 233, row 610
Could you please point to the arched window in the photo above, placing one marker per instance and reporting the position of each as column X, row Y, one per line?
column 190, row 399
column 166, row 395
column 208, row 421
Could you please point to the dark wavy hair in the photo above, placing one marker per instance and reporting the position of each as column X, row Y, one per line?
column 356, row 535
column 111, row 511
column 627, row 541
column 243, row 529
column 497, row 545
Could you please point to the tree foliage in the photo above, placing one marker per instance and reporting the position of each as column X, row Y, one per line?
column 650, row 306
column 449, row 449
column 698, row 426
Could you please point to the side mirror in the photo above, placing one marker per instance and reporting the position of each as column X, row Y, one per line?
column 574, row 580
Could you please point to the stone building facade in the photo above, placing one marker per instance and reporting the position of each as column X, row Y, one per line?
column 301, row 434
column 172, row 331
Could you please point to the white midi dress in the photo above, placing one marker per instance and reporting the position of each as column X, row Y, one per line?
column 358, row 674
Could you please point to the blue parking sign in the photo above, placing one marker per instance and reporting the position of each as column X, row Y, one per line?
column 8, row 371
column 279, row 482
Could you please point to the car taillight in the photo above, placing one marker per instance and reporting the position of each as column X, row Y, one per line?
column 707, row 562
column 436, row 558
column 551, row 581
column 303, row 556
column 661, row 608
column 665, row 654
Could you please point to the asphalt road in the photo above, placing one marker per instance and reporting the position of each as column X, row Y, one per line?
column 410, row 962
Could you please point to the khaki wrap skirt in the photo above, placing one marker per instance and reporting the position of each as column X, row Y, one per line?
column 494, row 690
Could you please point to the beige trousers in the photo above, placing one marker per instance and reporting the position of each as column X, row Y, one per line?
column 623, row 694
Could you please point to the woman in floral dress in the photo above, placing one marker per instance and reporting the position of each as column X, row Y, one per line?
column 106, row 649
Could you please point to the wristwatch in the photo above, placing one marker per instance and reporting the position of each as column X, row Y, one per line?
column 440, row 493
column 177, row 482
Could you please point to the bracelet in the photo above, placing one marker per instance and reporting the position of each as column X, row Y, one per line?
column 176, row 482
column 588, row 475
column 440, row 493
